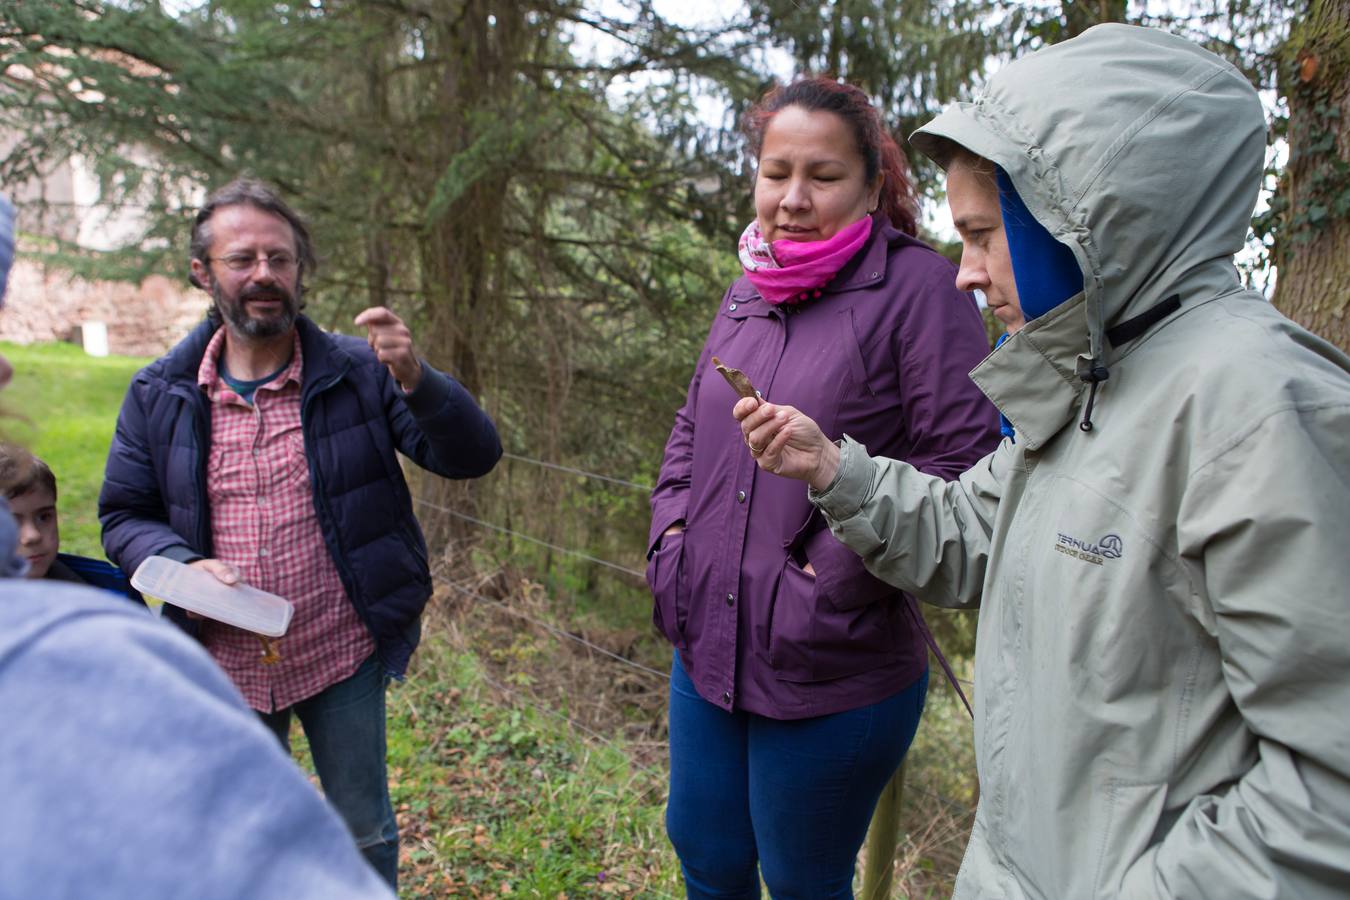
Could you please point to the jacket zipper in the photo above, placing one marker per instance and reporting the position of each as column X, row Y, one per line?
column 202, row 425
column 326, row 515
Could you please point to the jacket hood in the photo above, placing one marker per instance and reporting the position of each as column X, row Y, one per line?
column 1136, row 149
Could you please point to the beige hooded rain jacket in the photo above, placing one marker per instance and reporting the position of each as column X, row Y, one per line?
column 1163, row 653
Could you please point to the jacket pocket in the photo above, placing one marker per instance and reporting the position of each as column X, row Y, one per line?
column 665, row 576
column 291, row 462
column 1123, row 824
column 851, row 347
column 841, row 578
column 229, row 473
column 810, row 640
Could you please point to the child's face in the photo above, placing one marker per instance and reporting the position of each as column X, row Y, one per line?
column 35, row 513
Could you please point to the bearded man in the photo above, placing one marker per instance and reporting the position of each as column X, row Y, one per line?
column 263, row 450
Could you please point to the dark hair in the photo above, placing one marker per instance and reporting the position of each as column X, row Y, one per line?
column 21, row 472
column 251, row 192
column 959, row 155
column 876, row 146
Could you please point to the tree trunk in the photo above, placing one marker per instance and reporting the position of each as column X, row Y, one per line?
column 377, row 240
column 1312, row 250
column 882, row 837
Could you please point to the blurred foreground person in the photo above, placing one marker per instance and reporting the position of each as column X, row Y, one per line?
column 1163, row 652
column 132, row 767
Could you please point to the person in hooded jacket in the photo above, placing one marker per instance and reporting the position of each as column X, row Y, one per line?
column 1163, row 656
column 799, row 678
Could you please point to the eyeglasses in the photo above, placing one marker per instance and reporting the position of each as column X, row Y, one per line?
column 281, row 263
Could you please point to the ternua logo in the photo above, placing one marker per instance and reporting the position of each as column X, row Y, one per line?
column 1108, row 547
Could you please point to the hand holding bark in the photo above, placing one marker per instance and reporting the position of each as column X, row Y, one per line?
column 787, row 442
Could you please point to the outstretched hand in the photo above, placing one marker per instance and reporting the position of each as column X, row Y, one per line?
column 393, row 345
column 787, row 442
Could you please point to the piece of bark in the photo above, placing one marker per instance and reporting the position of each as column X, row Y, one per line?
column 270, row 656
column 739, row 381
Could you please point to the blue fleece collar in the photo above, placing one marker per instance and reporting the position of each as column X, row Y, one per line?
column 1045, row 270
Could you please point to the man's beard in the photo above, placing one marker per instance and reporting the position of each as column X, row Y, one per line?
column 246, row 326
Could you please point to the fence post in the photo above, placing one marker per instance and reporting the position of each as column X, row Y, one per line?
column 882, row 837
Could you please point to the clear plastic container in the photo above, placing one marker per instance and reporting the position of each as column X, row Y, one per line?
column 197, row 591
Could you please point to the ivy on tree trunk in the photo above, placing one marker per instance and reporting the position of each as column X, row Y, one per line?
column 1312, row 250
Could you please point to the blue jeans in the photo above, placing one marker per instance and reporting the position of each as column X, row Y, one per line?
column 344, row 724
column 792, row 799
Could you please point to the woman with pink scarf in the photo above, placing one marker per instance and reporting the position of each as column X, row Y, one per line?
column 799, row 679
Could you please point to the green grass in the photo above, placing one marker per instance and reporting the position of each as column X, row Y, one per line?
column 69, row 401
column 497, row 794
column 495, row 798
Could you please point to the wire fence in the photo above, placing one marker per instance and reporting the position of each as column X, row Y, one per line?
column 580, row 554
column 627, row 570
column 645, row 670
column 581, row 727
column 587, row 733
column 556, row 631
column 952, row 805
column 502, row 529
column 583, row 730
column 582, row 472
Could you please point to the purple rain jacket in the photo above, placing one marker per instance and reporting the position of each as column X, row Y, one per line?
column 882, row 355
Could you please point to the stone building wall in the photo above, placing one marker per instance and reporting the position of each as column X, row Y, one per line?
column 142, row 320
column 48, row 304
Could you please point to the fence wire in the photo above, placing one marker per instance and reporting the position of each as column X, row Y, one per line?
column 580, row 727
column 553, row 629
column 557, row 547
column 952, row 804
column 582, row 472
column 525, row 537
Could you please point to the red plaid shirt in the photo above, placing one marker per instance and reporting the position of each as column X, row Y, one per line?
column 263, row 524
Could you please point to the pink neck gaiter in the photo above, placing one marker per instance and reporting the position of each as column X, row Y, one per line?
column 793, row 271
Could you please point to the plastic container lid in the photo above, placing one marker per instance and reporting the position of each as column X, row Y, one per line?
column 201, row 592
